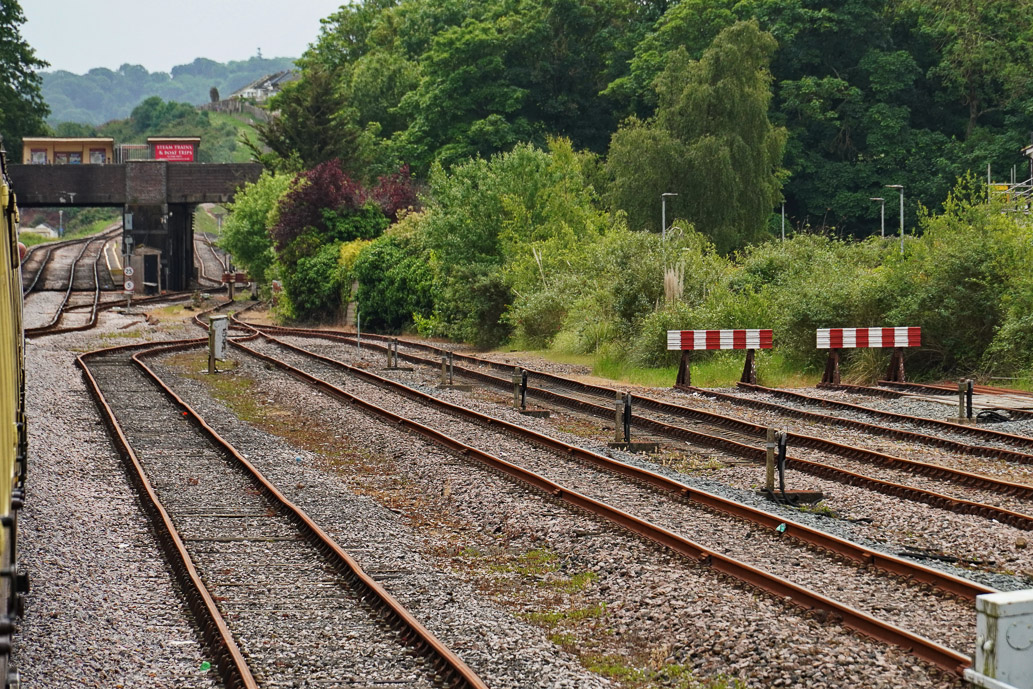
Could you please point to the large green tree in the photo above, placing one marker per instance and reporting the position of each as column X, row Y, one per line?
column 22, row 108
column 710, row 142
column 252, row 214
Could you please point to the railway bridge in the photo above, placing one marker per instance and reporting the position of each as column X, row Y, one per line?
column 157, row 197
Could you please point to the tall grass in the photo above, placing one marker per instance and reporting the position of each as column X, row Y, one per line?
column 708, row 370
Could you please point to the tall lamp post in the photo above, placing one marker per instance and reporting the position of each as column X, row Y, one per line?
column 900, row 188
column 882, row 214
column 663, row 213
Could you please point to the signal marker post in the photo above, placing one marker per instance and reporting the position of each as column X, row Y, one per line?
column 218, row 329
column 127, row 283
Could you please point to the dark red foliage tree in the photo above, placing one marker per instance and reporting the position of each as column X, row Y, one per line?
column 304, row 208
column 395, row 193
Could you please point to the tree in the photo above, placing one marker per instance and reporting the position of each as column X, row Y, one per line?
column 986, row 50
column 245, row 234
column 213, row 94
column 315, row 123
column 22, row 109
column 711, row 142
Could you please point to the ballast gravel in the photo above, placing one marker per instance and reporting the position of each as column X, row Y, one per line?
column 104, row 610
column 674, row 610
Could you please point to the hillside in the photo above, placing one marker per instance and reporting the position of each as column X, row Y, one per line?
column 102, row 95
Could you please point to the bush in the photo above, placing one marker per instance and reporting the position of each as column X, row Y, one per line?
column 395, row 282
column 314, row 285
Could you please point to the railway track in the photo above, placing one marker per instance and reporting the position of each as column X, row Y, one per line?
column 255, row 568
column 210, row 261
column 84, row 269
column 939, row 486
column 657, row 508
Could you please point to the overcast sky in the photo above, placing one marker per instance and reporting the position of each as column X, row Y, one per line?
column 78, row 35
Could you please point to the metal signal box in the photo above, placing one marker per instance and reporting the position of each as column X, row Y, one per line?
column 1004, row 641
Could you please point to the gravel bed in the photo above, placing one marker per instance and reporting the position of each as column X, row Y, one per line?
column 714, row 638
column 505, row 652
column 40, row 307
column 267, row 581
column 896, row 527
column 104, row 609
column 944, row 620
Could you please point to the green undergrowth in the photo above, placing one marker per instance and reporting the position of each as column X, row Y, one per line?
column 708, row 369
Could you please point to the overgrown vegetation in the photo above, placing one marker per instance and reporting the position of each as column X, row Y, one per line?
column 530, row 217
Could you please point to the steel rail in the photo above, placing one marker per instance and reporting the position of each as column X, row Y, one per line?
column 961, row 429
column 856, row 553
column 229, row 661
column 940, row 500
column 49, row 249
column 203, row 272
column 39, row 271
column 45, row 329
column 947, row 389
column 454, row 671
column 850, row 617
column 53, row 328
column 900, row 434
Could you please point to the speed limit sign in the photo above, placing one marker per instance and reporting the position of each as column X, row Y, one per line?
column 128, row 271
column 128, row 286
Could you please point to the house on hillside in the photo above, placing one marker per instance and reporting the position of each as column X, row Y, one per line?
column 265, row 88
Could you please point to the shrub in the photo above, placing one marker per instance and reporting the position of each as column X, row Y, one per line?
column 314, row 285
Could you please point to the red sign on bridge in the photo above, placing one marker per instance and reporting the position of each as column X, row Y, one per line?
column 175, row 153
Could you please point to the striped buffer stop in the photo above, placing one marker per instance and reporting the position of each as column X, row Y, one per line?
column 834, row 339
column 692, row 340
column 849, row 338
column 718, row 339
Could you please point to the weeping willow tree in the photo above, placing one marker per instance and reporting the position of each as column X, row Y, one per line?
column 710, row 141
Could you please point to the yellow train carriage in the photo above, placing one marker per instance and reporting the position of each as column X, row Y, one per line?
column 13, row 445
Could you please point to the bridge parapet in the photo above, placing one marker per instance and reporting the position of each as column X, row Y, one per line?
column 137, row 182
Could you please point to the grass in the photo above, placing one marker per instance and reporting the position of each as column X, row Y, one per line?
column 709, row 369
column 205, row 222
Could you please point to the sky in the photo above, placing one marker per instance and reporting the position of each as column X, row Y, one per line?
column 78, row 35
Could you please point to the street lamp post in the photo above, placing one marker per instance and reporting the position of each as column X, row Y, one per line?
column 882, row 215
column 663, row 213
column 900, row 188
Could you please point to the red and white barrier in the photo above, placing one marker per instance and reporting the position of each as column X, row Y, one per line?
column 718, row 339
column 850, row 338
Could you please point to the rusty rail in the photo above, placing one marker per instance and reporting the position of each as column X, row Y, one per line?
column 961, row 429
column 453, row 671
column 932, row 440
column 930, row 651
column 229, row 661
column 958, row 505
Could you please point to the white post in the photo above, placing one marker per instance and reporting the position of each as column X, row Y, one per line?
column 783, row 221
column 901, row 219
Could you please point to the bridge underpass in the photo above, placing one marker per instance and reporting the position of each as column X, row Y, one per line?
column 159, row 196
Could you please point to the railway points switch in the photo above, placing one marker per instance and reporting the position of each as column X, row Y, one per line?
column 1004, row 641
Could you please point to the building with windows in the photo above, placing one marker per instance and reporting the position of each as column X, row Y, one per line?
column 50, row 150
